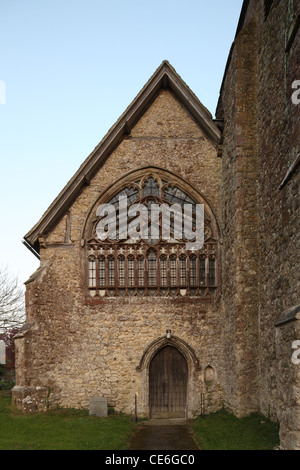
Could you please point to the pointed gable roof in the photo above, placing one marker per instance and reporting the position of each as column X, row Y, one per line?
column 164, row 77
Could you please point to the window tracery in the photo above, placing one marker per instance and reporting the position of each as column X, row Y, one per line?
column 153, row 265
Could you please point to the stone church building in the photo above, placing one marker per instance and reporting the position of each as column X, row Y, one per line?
column 153, row 324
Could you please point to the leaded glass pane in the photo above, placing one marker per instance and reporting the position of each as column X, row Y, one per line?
column 121, row 272
column 132, row 195
column 92, row 273
column 193, row 271
column 202, row 271
column 152, row 269
column 212, row 276
column 141, row 272
column 101, row 266
column 130, row 272
column 111, row 272
column 175, row 195
column 163, row 272
column 151, row 188
column 182, row 271
column 173, row 272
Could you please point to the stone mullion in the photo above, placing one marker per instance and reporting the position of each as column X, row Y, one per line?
column 126, row 280
column 206, row 273
column 197, row 274
column 97, row 275
column 168, row 274
column 135, row 274
column 140, row 257
column 212, row 257
column 115, row 258
column 106, row 275
column 188, row 275
column 116, row 275
column 146, row 274
column 158, row 273
column 185, row 268
column 177, row 275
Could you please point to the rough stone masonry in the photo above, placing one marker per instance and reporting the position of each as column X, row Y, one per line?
column 97, row 314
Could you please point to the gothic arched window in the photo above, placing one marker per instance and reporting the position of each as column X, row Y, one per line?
column 138, row 243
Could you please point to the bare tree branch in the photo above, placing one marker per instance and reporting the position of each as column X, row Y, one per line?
column 12, row 302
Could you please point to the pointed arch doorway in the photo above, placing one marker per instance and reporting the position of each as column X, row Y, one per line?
column 168, row 379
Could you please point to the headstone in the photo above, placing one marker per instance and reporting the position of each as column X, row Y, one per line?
column 2, row 352
column 98, row 406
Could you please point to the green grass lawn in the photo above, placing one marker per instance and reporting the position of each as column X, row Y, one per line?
column 61, row 429
column 223, row 431
column 76, row 430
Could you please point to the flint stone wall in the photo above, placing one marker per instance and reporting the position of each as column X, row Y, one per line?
column 78, row 349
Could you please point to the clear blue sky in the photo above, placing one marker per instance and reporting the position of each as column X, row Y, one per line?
column 70, row 69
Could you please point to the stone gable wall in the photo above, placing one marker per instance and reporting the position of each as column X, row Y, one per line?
column 77, row 349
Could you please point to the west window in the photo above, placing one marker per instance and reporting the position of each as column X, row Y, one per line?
column 165, row 273
column 151, row 265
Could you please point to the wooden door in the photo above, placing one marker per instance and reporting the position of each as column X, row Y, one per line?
column 168, row 376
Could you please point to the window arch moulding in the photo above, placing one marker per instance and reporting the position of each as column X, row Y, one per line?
column 149, row 258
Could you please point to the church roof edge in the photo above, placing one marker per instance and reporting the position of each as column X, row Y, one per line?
column 165, row 77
